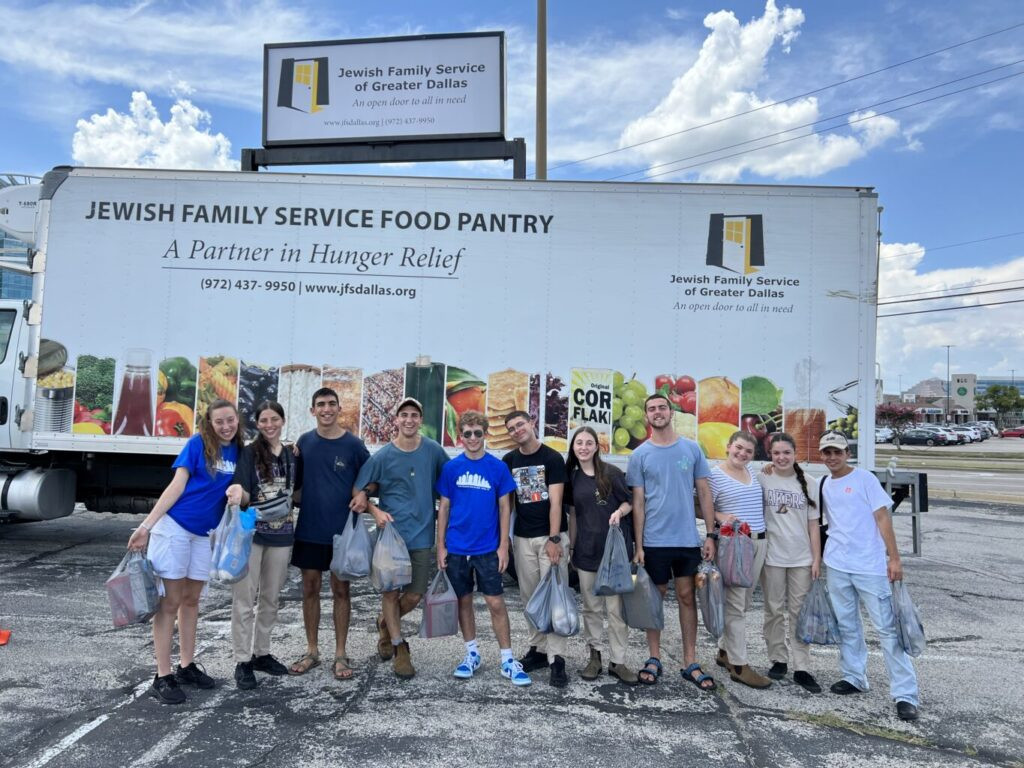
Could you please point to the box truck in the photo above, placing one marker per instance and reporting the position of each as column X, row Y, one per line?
column 156, row 292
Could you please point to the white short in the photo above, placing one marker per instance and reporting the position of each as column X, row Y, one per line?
column 178, row 554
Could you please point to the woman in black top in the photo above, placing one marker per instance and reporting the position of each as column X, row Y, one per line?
column 264, row 479
column 598, row 498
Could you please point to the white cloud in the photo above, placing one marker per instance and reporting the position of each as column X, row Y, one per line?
column 984, row 339
column 139, row 138
column 215, row 46
column 721, row 83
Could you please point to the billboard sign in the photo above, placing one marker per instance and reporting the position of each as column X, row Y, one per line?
column 398, row 88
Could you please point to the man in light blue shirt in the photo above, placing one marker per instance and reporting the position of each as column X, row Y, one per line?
column 663, row 473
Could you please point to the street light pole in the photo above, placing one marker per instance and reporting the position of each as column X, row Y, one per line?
column 948, row 388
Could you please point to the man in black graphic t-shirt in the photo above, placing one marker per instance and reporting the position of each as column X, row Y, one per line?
column 539, row 538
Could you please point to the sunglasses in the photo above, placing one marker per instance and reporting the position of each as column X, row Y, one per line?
column 472, row 433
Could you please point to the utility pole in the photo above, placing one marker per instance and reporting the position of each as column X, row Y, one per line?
column 948, row 387
column 541, row 139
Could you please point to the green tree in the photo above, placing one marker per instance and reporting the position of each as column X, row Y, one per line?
column 1003, row 399
column 897, row 416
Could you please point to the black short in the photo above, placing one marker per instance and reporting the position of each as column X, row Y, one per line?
column 666, row 563
column 310, row 556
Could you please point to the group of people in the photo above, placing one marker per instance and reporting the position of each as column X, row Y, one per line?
column 562, row 512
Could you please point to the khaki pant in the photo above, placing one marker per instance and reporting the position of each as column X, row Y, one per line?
column 268, row 568
column 532, row 565
column 594, row 609
column 782, row 587
column 737, row 601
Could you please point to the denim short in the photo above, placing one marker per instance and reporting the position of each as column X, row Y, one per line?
column 462, row 569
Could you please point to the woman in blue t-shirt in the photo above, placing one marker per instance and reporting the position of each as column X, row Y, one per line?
column 177, row 534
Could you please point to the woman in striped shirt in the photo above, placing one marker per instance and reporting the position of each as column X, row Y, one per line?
column 738, row 499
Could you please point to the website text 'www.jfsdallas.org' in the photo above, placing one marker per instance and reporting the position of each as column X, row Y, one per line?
column 300, row 287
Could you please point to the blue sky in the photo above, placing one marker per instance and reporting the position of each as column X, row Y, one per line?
column 179, row 84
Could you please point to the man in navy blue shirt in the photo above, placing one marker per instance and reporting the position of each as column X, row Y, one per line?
column 328, row 462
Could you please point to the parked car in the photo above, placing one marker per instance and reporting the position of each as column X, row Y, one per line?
column 883, row 434
column 983, row 429
column 952, row 438
column 923, row 437
column 973, row 435
column 1017, row 431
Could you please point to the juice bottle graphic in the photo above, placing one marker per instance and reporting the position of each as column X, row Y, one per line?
column 134, row 413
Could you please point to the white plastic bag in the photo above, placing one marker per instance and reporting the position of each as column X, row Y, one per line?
column 132, row 590
column 440, row 609
column 353, row 551
column 391, row 568
column 232, row 545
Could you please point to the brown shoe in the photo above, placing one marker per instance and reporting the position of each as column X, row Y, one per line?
column 385, row 648
column 722, row 660
column 403, row 662
column 743, row 673
column 593, row 669
column 626, row 675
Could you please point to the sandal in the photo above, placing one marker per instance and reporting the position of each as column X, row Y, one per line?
column 651, row 672
column 700, row 679
column 303, row 665
column 345, row 671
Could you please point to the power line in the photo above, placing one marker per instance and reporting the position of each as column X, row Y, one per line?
column 950, row 309
column 951, row 245
column 953, row 288
column 793, row 98
column 952, row 295
column 816, row 122
column 833, row 128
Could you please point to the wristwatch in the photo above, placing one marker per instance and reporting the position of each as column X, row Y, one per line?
column 713, row 536
column 555, row 539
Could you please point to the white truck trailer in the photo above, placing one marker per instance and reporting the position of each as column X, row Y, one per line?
column 155, row 292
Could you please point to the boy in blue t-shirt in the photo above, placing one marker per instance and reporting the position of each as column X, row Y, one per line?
column 472, row 541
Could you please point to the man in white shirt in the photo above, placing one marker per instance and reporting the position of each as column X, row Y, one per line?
column 860, row 536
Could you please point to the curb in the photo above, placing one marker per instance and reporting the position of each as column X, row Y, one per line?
column 952, row 494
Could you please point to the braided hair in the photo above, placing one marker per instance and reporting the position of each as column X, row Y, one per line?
column 782, row 437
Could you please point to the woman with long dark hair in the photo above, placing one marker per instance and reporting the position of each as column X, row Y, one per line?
column 791, row 514
column 265, row 479
column 599, row 498
column 177, row 534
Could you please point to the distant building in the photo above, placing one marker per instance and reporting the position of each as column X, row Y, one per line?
column 14, row 285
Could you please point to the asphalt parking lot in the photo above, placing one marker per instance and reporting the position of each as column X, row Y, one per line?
column 72, row 689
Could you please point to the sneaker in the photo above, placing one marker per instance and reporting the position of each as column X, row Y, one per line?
column 193, row 675
column 844, row 688
column 778, row 670
column 559, row 678
column 806, row 681
column 244, row 677
column 533, row 660
column 513, row 670
column 270, row 665
column 165, row 690
column 469, row 665
column 906, row 711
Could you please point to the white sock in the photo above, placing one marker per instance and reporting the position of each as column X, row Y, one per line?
column 506, row 655
column 472, row 647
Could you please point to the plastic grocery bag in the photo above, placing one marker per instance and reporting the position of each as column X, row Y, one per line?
column 614, row 576
column 552, row 606
column 440, row 609
column 391, row 567
column 909, row 629
column 132, row 590
column 353, row 551
column 816, row 623
column 736, row 557
column 232, row 544
column 565, row 618
column 711, row 596
column 538, row 607
column 642, row 608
